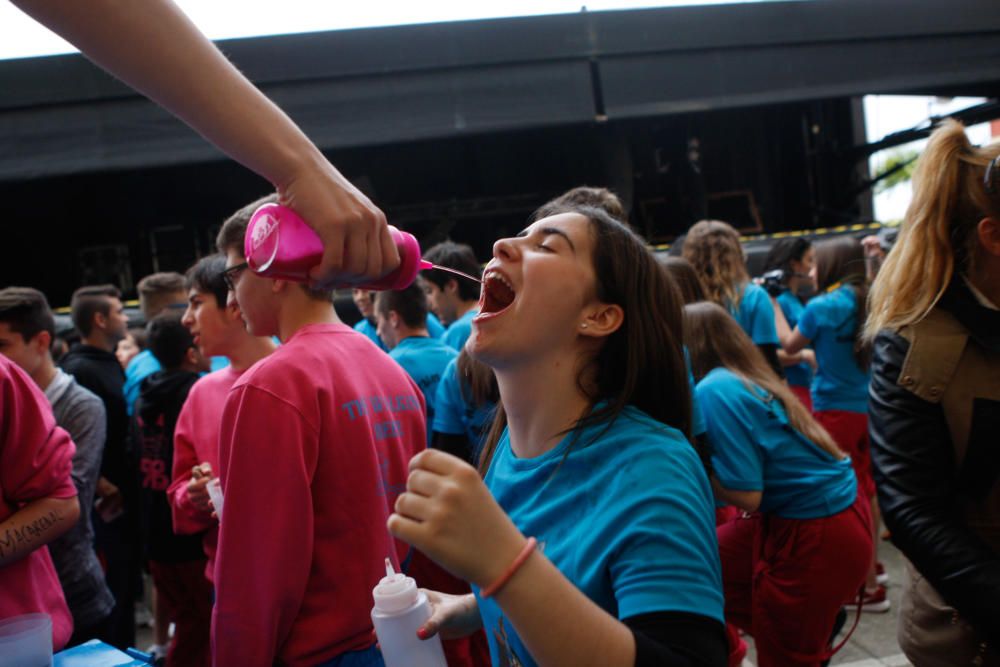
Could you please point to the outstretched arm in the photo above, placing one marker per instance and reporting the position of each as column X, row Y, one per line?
column 153, row 47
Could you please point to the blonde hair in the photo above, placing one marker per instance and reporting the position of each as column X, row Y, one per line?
column 713, row 249
column 714, row 339
column 938, row 232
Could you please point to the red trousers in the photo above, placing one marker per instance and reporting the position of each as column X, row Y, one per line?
column 786, row 579
column 188, row 596
column 850, row 431
column 802, row 393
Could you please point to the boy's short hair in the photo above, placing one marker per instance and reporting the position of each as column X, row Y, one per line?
column 410, row 303
column 207, row 276
column 169, row 340
column 234, row 230
column 89, row 300
column 157, row 291
column 26, row 311
column 457, row 256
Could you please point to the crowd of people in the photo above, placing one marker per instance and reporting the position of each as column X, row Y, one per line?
column 597, row 456
column 593, row 458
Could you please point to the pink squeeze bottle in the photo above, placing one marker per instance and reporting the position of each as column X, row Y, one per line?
column 279, row 244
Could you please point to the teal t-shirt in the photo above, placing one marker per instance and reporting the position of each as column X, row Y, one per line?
column 799, row 375
column 459, row 331
column 424, row 359
column 829, row 321
column 754, row 448
column 434, row 330
column 625, row 513
column 755, row 315
column 456, row 414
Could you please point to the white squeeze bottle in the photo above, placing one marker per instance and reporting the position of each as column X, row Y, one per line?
column 400, row 609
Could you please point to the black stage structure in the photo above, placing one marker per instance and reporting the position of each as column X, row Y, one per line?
column 747, row 112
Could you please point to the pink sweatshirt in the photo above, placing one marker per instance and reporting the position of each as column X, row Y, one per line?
column 196, row 440
column 315, row 445
column 35, row 462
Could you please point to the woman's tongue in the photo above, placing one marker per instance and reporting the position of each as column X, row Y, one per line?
column 496, row 296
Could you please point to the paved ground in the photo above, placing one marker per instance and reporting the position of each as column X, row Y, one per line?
column 873, row 643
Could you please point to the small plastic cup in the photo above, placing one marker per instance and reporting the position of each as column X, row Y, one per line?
column 26, row 641
column 215, row 493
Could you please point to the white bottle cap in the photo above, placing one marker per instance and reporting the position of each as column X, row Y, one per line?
column 395, row 592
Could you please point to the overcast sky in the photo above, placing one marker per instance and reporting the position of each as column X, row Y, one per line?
column 21, row 37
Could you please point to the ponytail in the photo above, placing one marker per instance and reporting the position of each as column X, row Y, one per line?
column 937, row 234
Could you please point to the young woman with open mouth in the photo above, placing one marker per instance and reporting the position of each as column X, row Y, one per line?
column 588, row 459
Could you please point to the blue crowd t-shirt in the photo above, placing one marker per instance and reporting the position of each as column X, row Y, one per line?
column 424, row 359
column 456, row 414
column 434, row 330
column 799, row 375
column 145, row 364
column 459, row 331
column 626, row 514
column 754, row 448
column 830, row 322
column 755, row 315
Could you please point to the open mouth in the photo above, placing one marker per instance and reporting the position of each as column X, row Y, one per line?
column 497, row 294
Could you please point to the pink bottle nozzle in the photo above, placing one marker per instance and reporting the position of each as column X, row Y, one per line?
column 279, row 244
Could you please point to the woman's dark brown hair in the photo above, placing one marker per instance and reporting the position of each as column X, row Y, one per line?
column 841, row 262
column 477, row 381
column 685, row 278
column 642, row 363
column 716, row 340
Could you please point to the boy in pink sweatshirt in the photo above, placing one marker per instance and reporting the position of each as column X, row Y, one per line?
column 218, row 330
column 314, row 449
column 38, row 501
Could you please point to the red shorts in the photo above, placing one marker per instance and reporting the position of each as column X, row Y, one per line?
column 188, row 596
column 802, row 393
column 850, row 431
column 786, row 579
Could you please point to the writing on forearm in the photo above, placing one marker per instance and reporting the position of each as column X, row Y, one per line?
column 18, row 540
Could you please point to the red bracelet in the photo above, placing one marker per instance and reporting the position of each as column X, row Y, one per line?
column 527, row 550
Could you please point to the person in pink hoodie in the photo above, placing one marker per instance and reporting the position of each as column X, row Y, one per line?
column 314, row 449
column 38, row 501
column 218, row 330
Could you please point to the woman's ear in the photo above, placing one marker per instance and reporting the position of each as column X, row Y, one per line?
column 988, row 232
column 602, row 319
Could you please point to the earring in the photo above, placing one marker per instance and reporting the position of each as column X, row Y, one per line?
column 583, row 325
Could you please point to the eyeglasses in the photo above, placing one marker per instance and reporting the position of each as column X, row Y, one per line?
column 990, row 177
column 229, row 275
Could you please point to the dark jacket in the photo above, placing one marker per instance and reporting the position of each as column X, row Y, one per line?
column 161, row 396
column 99, row 371
column 935, row 436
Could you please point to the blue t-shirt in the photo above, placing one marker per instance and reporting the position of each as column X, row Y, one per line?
column 145, row 364
column 424, row 359
column 799, row 375
column 754, row 448
column 830, row 321
column 755, row 315
column 626, row 515
column 434, row 330
column 456, row 414
column 459, row 331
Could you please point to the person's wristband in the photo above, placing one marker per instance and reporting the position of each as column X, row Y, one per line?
column 526, row 551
